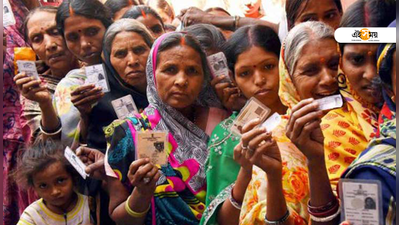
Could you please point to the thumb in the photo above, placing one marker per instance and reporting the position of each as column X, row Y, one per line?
column 95, row 166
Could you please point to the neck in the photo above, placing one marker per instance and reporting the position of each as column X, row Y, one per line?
column 141, row 88
column 68, row 207
column 188, row 112
column 278, row 107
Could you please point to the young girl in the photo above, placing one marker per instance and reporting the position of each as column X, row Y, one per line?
column 44, row 168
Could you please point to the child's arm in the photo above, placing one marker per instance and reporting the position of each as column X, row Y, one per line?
column 26, row 219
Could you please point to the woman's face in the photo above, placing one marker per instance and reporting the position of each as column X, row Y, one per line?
column 129, row 55
column 359, row 64
column 257, row 75
column 47, row 42
column 315, row 72
column 84, row 38
column 314, row 11
column 153, row 24
column 179, row 76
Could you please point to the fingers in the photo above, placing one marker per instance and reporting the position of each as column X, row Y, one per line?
column 298, row 125
column 218, row 80
column 309, row 128
column 257, row 140
column 302, row 108
column 260, row 151
column 250, row 125
column 250, row 135
column 77, row 95
column 95, row 166
column 134, row 166
column 91, row 99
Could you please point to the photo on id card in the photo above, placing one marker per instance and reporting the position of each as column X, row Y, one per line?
column 152, row 145
column 96, row 75
column 124, row 107
column 361, row 201
column 218, row 64
column 253, row 109
column 8, row 15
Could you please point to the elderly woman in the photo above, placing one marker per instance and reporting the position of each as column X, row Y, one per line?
column 179, row 105
column 49, row 45
column 309, row 63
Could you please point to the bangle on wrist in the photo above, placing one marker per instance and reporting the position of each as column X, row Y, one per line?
column 236, row 21
column 279, row 221
column 133, row 213
column 325, row 213
column 233, row 202
column 51, row 132
column 328, row 218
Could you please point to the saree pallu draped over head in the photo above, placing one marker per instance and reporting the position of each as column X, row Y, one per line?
column 346, row 130
column 180, row 193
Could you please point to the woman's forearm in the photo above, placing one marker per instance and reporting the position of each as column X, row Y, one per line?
column 49, row 120
column 276, row 204
column 84, row 128
column 320, row 188
column 228, row 214
column 118, row 197
column 229, row 22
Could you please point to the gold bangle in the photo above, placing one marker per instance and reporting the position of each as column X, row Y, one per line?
column 133, row 213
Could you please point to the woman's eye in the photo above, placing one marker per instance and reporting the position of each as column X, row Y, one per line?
column 42, row 186
column 243, row 74
column 138, row 50
column 309, row 19
column 171, row 70
column 156, row 30
column 120, row 54
column 92, row 32
column 192, row 71
column 331, row 15
column 269, row 66
column 72, row 37
column 37, row 39
column 357, row 60
column 334, row 65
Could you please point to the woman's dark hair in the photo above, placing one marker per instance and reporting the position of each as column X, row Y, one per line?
column 92, row 9
column 248, row 36
column 369, row 13
column 292, row 10
column 137, row 11
column 50, row 9
column 116, row 5
column 40, row 156
column 175, row 39
column 209, row 36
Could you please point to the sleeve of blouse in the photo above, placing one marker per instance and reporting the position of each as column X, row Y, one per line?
column 120, row 149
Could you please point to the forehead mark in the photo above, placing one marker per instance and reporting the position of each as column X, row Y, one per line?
column 322, row 60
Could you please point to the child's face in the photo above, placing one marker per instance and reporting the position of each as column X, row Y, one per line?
column 55, row 185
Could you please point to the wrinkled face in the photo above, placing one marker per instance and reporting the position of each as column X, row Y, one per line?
column 250, row 6
column 179, row 76
column 393, row 74
column 257, row 75
column 359, row 64
column 129, row 55
column 153, row 25
column 84, row 38
column 47, row 42
column 315, row 72
column 55, row 185
column 314, row 11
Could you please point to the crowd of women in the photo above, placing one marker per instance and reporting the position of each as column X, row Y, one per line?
column 288, row 175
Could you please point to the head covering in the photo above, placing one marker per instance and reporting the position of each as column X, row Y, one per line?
column 103, row 113
column 384, row 59
column 191, row 140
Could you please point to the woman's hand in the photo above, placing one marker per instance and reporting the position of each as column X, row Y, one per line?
column 85, row 96
column 32, row 88
column 192, row 15
column 143, row 176
column 228, row 93
column 304, row 130
column 94, row 160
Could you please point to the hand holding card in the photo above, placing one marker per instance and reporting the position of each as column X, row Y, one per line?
column 75, row 162
column 218, row 64
column 330, row 102
column 96, row 75
column 28, row 67
column 124, row 107
column 253, row 109
column 152, row 145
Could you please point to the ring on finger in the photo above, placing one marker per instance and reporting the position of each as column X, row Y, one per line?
column 250, row 150
column 244, row 147
column 146, row 180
